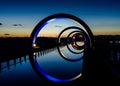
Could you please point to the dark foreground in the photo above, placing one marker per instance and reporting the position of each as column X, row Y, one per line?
column 100, row 63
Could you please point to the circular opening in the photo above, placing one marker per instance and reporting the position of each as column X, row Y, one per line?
column 75, row 40
column 58, row 43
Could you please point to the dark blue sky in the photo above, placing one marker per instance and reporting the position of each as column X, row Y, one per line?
column 79, row 7
column 100, row 15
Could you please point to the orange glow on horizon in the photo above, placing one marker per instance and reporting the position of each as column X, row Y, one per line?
column 26, row 32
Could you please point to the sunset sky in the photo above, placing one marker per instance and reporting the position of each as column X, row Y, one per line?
column 19, row 17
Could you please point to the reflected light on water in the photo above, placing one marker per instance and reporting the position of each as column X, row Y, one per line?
column 53, row 65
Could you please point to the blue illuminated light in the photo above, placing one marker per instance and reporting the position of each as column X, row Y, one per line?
column 53, row 78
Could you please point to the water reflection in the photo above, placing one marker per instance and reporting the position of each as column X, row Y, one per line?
column 8, row 63
column 54, row 65
column 13, row 62
column 19, row 70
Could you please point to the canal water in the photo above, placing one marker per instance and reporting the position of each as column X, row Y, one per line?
column 20, row 71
